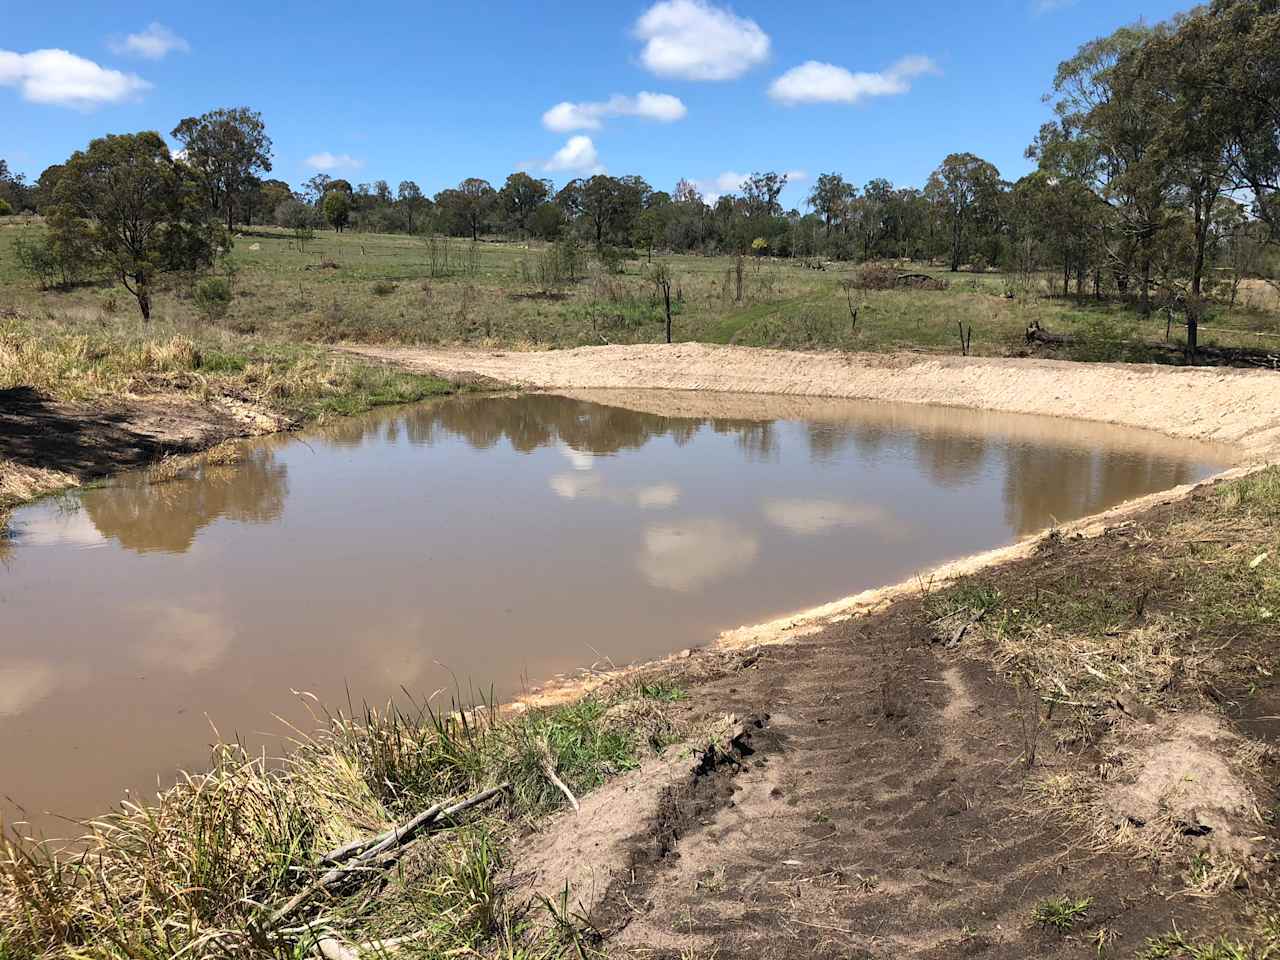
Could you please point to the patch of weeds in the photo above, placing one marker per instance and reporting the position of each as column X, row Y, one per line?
column 216, row 362
column 664, row 691
column 1061, row 913
column 1257, row 494
column 968, row 596
column 1175, row 946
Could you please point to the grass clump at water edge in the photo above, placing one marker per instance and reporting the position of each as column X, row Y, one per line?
column 199, row 871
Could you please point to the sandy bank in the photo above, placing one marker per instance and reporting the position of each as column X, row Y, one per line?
column 1238, row 407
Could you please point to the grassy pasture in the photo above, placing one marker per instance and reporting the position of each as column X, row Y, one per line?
column 399, row 289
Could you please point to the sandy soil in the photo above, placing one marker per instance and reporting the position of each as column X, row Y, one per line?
column 1239, row 407
column 880, row 805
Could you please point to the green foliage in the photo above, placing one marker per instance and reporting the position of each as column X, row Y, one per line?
column 1061, row 913
column 5, row 211
column 133, row 211
column 212, row 297
column 337, row 209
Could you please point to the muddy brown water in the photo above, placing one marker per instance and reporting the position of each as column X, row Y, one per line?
column 487, row 543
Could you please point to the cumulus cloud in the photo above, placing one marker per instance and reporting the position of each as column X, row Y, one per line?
column 578, row 155
column 183, row 639
column 591, row 486
column 154, row 43
column 25, row 683
column 811, row 517
column 685, row 557
column 66, row 80
column 567, row 116
column 698, row 41
column 816, row 82
column 327, row 161
column 731, row 181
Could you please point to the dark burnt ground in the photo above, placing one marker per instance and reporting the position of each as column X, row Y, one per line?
column 884, row 808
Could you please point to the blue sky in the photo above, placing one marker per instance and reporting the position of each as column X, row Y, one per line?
column 439, row 91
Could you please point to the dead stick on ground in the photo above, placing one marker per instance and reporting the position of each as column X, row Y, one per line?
column 333, row 949
column 397, row 838
column 549, row 769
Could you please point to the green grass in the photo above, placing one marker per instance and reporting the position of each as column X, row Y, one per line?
column 385, row 289
column 199, row 870
column 1061, row 913
column 1174, row 946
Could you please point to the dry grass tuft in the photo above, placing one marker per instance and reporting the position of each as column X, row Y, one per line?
column 196, row 871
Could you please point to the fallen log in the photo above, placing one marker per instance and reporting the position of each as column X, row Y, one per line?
column 380, row 848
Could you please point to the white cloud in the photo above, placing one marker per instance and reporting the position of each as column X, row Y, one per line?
column 815, row 82
column 591, row 486
column 697, row 41
column 60, row 77
column 731, row 181
column 333, row 161
column 810, row 517
column 24, row 684
column 183, row 639
column 685, row 557
column 567, row 116
column 578, row 156
column 154, row 43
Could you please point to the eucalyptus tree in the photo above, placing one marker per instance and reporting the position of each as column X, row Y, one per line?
column 1112, row 134
column 227, row 148
column 965, row 193
column 137, row 212
column 520, row 197
column 830, row 198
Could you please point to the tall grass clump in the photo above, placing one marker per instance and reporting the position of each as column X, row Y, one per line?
column 199, row 870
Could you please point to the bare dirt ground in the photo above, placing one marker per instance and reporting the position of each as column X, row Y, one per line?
column 892, row 794
column 1239, row 407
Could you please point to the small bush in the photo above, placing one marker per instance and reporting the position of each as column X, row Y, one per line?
column 212, row 297
column 874, row 276
column 382, row 288
column 611, row 259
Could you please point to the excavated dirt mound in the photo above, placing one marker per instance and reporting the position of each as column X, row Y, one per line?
column 1229, row 406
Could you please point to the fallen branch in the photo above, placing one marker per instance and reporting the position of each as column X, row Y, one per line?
column 333, row 949
column 383, row 844
column 549, row 769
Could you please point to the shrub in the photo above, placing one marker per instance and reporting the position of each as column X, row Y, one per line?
column 611, row 259
column 875, row 276
column 5, row 209
column 212, row 297
column 382, row 288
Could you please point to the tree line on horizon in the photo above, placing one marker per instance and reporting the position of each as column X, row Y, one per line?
column 1162, row 160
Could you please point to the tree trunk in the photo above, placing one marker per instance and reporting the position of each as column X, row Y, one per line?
column 144, row 298
column 1144, row 306
column 666, row 296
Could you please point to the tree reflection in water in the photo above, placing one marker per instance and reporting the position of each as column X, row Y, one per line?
column 166, row 517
